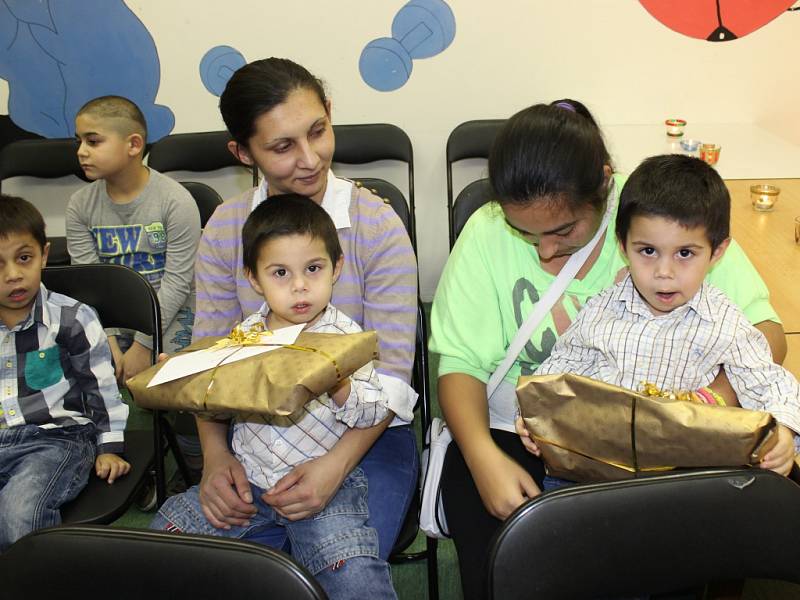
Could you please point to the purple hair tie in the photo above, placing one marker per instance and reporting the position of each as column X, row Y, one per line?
column 565, row 105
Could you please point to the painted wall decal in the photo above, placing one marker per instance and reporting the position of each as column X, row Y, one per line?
column 421, row 29
column 218, row 65
column 716, row 20
column 57, row 55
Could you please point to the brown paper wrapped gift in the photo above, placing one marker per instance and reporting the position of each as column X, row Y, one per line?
column 592, row 431
column 273, row 383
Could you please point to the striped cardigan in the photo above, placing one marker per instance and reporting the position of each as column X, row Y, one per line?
column 377, row 287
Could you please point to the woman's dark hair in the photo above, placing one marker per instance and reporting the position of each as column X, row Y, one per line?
column 20, row 216
column 257, row 88
column 287, row 214
column 678, row 188
column 553, row 152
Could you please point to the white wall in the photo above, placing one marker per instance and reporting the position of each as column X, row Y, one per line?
column 507, row 54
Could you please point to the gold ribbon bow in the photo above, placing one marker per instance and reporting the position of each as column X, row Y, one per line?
column 256, row 336
column 239, row 337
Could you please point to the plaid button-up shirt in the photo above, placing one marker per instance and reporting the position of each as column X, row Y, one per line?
column 269, row 447
column 55, row 371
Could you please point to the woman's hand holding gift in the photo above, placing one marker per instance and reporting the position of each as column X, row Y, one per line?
column 525, row 437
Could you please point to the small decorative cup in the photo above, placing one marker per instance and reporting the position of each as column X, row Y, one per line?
column 710, row 153
column 690, row 146
column 764, row 197
column 675, row 127
column 797, row 230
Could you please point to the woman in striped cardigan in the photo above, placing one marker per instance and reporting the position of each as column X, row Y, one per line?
column 279, row 118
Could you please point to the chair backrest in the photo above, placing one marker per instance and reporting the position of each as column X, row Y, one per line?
column 198, row 152
column 393, row 196
column 470, row 199
column 206, row 198
column 471, row 139
column 651, row 535
column 79, row 560
column 121, row 297
column 43, row 159
column 366, row 143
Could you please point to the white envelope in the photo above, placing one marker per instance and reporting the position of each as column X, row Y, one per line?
column 203, row 360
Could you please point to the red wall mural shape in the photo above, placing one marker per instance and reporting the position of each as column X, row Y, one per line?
column 716, row 20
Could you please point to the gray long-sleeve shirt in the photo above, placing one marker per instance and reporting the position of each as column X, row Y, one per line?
column 156, row 234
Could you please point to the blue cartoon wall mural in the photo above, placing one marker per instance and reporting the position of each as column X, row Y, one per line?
column 56, row 55
column 218, row 65
column 421, row 29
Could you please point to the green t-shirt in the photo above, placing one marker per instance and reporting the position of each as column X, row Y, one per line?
column 493, row 278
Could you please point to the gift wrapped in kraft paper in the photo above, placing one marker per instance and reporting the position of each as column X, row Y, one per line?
column 278, row 382
column 592, row 431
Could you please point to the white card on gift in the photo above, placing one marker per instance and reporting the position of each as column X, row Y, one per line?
column 203, row 360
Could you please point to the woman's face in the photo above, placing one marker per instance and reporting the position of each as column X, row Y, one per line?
column 556, row 229
column 293, row 145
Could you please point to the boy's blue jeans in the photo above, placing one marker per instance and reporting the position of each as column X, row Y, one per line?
column 336, row 544
column 40, row 470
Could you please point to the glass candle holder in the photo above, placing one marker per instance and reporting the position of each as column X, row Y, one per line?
column 690, row 146
column 764, row 197
column 710, row 153
column 675, row 127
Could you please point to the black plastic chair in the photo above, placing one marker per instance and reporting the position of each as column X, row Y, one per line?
column 651, row 535
column 124, row 299
column 206, row 198
column 366, row 143
column 75, row 562
column 198, row 152
column 471, row 139
column 43, row 159
column 470, row 199
column 421, row 384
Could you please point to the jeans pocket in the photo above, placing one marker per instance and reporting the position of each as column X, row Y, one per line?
column 351, row 499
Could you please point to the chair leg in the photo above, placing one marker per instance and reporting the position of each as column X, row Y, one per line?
column 433, row 568
column 180, row 459
column 158, row 442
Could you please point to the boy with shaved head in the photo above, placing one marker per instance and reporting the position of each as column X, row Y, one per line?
column 134, row 216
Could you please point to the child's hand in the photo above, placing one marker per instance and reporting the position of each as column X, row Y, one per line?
column 136, row 360
column 525, row 437
column 111, row 467
column 341, row 392
column 781, row 458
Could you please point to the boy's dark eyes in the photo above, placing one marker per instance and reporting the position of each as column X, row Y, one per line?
column 647, row 251
column 280, row 272
column 25, row 257
column 684, row 253
column 314, row 268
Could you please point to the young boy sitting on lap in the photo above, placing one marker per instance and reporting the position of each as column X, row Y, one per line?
column 292, row 258
column 134, row 216
column 59, row 398
column 664, row 325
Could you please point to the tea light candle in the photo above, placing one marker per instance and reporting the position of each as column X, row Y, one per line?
column 690, row 145
column 675, row 127
column 764, row 197
column 710, row 153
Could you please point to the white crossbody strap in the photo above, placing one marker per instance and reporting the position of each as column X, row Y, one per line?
column 553, row 293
